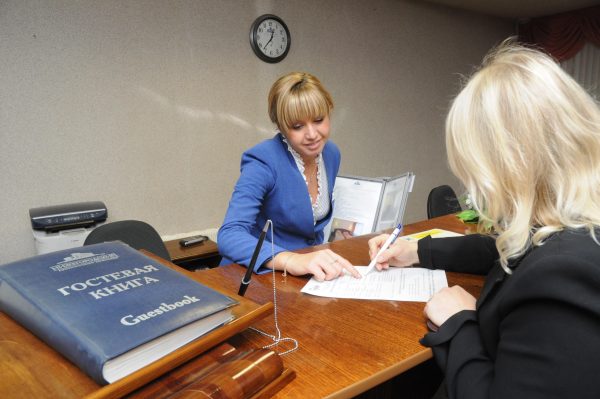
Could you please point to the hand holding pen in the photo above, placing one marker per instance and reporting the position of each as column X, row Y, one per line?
column 389, row 240
column 399, row 253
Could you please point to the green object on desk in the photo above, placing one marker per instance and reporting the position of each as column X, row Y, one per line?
column 469, row 216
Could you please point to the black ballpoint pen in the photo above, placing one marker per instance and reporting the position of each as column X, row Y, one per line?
column 248, row 275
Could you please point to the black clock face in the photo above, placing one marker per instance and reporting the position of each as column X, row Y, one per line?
column 270, row 38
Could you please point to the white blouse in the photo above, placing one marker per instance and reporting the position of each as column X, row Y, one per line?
column 321, row 206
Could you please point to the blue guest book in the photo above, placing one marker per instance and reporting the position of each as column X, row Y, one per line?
column 108, row 308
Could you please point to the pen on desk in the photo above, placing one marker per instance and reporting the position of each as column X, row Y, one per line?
column 385, row 246
column 248, row 275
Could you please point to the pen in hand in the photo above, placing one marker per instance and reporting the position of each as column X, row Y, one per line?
column 385, row 246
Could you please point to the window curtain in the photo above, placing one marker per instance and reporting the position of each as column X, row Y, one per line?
column 563, row 35
column 585, row 68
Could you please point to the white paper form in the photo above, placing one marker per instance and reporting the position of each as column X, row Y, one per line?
column 413, row 284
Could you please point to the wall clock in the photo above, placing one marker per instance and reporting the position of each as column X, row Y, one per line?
column 270, row 38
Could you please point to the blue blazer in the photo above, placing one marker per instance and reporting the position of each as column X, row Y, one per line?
column 271, row 187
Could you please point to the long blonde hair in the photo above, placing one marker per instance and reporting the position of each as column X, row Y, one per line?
column 524, row 138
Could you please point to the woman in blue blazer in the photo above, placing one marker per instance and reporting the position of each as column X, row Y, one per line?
column 524, row 138
column 289, row 180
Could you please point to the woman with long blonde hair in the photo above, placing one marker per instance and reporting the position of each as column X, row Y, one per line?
column 524, row 138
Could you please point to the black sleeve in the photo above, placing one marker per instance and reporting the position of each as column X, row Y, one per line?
column 547, row 338
column 473, row 253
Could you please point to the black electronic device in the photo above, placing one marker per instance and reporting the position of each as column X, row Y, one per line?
column 193, row 240
column 68, row 216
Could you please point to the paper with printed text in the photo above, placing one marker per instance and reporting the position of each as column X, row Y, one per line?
column 413, row 284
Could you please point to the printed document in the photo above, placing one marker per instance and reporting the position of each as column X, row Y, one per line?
column 412, row 284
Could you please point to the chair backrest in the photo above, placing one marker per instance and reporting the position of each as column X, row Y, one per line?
column 135, row 233
column 442, row 201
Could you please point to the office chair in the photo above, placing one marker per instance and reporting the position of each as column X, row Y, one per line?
column 442, row 201
column 135, row 233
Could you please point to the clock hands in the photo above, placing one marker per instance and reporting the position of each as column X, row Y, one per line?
column 272, row 33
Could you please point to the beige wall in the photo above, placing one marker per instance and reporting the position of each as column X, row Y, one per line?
column 148, row 105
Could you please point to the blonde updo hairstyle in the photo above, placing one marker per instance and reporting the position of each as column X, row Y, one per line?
column 297, row 96
column 524, row 138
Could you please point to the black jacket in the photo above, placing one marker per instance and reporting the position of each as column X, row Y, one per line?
column 536, row 333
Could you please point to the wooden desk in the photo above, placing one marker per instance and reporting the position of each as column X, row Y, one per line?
column 206, row 253
column 347, row 346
